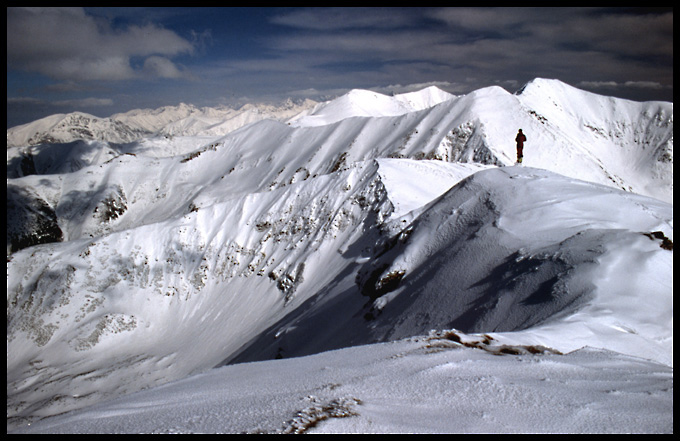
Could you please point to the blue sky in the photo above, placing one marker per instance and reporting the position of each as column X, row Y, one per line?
column 108, row 60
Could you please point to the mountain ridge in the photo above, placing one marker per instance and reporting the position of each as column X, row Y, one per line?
column 176, row 254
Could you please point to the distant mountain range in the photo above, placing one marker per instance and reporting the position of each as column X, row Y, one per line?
column 182, row 120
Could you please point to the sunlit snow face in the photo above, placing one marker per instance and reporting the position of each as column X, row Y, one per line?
column 335, row 230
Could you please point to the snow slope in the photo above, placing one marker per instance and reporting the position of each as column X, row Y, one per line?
column 425, row 385
column 176, row 255
column 501, row 251
column 632, row 141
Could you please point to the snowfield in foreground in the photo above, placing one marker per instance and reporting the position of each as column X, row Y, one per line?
column 424, row 385
column 375, row 265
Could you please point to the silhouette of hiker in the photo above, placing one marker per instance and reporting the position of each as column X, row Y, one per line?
column 520, row 139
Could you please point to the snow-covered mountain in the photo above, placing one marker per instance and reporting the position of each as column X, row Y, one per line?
column 366, row 103
column 184, row 119
column 63, row 128
column 367, row 219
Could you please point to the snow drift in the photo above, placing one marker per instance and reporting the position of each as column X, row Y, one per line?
column 369, row 219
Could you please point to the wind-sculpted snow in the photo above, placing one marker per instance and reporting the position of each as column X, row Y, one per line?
column 132, row 265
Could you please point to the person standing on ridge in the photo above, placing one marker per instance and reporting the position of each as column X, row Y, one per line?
column 520, row 139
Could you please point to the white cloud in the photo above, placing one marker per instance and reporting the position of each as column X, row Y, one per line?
column 162, row 67
column 617, row 85
column 24, row 100
column 482, row 19
column 325, row 19
column 598, row 84
column 68, row 44
column 83, row 102
column 644, row 84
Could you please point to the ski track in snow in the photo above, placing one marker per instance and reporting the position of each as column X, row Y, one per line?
column 365, row 219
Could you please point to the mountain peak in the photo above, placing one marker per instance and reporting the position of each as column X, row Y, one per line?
column 542, row 83
column 367, row 103
column 424, row 98
column 558, row 89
